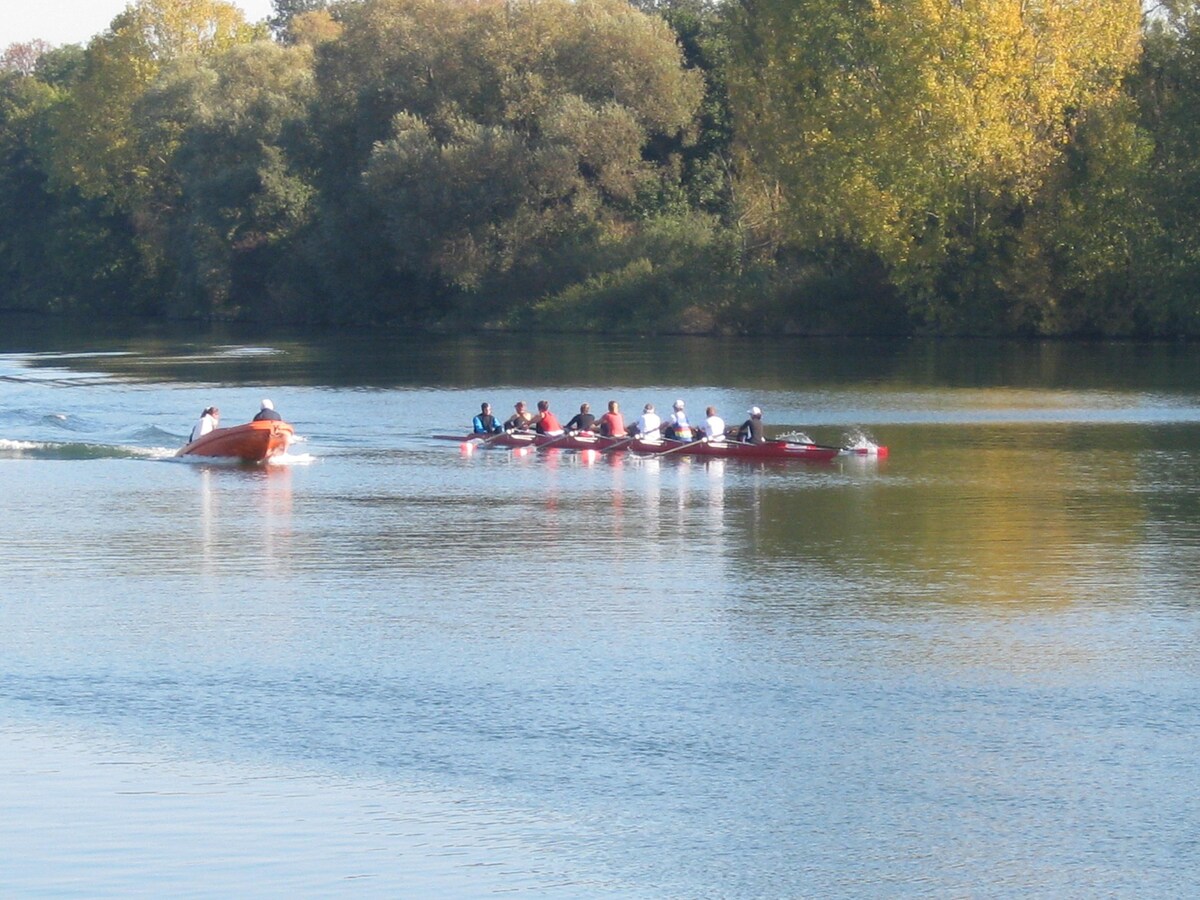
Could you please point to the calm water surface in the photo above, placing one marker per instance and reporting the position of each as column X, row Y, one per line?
column 386, row 668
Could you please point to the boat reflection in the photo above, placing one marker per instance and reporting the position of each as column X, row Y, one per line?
column 245, row 508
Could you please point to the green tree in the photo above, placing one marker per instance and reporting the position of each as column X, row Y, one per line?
column 58, row 250
column 238, row 198
column 492, row 134
column 1168, row 95
column 96, row 147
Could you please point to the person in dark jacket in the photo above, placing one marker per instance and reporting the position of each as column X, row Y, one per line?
column 751, row 431
column 583, row 420
column 267, row 413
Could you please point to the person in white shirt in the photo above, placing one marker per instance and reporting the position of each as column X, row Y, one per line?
column 209, row 419
column 714, row 426
column 649, row 425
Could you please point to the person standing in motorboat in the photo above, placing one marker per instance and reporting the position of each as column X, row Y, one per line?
column 713, row 427
column 678, row 428
column 209, row 420
column 266, row 413
column 485, row 422
column 751, row 431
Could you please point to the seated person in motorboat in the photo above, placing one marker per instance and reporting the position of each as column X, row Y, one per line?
column 266, row 413
column 209, row 420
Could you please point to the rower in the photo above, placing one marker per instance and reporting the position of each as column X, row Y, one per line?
column 519, row 420
column 713, row 427
column 545, row 421
column 677, row 424
column 611, row 423
column 649, row 425
column 583, row 420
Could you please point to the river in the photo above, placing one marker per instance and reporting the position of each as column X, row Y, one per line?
column 385, row 667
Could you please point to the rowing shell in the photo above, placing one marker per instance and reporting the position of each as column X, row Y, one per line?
column 790, row 450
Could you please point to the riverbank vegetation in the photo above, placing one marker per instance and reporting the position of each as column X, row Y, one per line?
column 785, row 166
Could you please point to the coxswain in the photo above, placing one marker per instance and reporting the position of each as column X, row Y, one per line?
column 751, row 431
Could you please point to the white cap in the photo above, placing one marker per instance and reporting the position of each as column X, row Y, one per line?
column 267, row 404
column 679, row 404
column 755, row 411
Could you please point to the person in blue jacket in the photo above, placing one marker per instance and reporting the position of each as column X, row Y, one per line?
column 485, row 422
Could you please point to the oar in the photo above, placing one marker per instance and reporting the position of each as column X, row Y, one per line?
column 683, row 446
column 494, row 437
column 470, row 444
column 561, row 437
column 619, row 444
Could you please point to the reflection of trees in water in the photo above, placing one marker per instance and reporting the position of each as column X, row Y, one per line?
column 988, row 524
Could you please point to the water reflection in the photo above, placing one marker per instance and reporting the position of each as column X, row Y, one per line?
column 244, row 511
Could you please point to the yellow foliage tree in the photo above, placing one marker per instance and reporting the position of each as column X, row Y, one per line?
column 905, row 126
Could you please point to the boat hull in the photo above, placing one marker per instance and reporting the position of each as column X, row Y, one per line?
column 772, row 450
column 252, row 442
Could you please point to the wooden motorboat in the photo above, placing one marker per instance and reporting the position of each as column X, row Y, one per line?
column 252, row 442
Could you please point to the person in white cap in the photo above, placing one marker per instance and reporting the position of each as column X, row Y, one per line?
column 677, row 424
column 649, row 425
column 267, row 412
column 751, row 431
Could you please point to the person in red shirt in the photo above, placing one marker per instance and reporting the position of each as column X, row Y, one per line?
column 546, row 422
column 611, row 423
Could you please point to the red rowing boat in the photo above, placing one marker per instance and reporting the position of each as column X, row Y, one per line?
column 727, row 449
column 252, row 442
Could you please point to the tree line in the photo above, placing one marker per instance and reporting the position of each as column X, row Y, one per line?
column 1017, row 167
